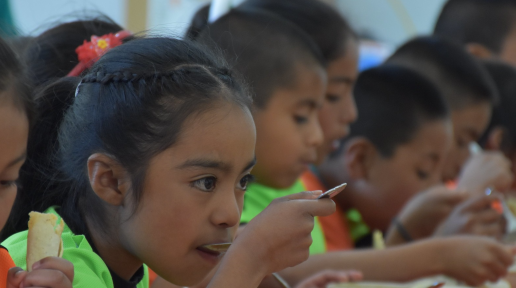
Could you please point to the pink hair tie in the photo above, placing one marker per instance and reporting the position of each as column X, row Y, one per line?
column 90, row 51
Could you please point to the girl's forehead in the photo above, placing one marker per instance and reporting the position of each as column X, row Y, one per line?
column 224, row 132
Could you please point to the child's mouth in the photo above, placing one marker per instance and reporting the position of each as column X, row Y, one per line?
column 213, row 252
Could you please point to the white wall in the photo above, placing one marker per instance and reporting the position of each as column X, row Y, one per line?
column 33, row 15
column 392, row 21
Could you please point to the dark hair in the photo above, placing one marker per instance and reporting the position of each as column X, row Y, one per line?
column 199, row 22
column 458, row 75
column 262, row 47
column 487, row 22
column 504, row 77
column 327, row 28
column 393, row 103
column 51, row 55
column 131, row 105
column 13, row 83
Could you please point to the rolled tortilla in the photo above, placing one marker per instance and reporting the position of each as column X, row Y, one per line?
column 44, row 239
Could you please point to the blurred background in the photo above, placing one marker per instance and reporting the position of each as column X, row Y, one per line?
column 382, row 24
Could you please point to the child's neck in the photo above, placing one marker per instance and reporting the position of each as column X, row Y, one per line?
column 116, row 257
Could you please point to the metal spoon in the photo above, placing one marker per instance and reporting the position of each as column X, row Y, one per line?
column 332, row 192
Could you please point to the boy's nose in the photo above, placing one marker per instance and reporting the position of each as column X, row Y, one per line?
column 316, row 136
column 351, row 112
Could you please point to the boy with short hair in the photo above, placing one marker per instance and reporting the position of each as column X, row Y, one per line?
column 470, row 93
column 486, row 27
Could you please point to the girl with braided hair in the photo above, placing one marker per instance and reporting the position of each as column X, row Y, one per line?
column 155, row 153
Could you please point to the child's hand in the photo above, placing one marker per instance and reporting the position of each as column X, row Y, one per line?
column 423, row 213
column 475, row 260
column 487, row 169
column 324, row 278
column 51, row 272
column 475, row 216
column 279, row 237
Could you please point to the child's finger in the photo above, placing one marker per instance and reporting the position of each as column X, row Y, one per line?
column 322, row 207
column 479, row 202
column 304, row 195
column 15, row 277
column 55, row 263
column 46, row 278
column 355, row 275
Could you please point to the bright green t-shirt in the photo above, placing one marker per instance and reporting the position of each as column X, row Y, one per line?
column 258, row 197
column 90, row 271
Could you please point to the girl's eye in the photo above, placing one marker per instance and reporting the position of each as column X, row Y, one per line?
column 422, row 175
column 332, row 98
column 205, row 184
column 300, row 119
column 245, row 181
column 7, row 184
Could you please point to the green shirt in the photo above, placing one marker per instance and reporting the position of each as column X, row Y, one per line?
column 258, row 197
column 90, row 270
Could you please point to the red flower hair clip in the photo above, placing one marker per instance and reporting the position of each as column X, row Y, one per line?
column 90, row 51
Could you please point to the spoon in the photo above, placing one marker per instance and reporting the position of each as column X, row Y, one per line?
column 332, row 192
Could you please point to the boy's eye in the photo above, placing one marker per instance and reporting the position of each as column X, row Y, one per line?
column 300, row 119
column 245, row 181
column 422, row 175
column 332, row 98
column 205, row 184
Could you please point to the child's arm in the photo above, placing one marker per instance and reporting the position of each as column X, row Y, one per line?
column 423, row 214
column 51, row 272
column 428, row 214
column 277, row 238
column 472, row 260
column 324, row 278
column 475, row 217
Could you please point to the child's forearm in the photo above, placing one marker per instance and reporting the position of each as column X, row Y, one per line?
column 236, row 270
column 401, row 263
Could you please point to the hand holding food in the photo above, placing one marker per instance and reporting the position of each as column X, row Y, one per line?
column 51, row 272
column 44, row 239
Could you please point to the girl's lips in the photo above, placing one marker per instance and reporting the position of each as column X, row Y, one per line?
column 210, row 255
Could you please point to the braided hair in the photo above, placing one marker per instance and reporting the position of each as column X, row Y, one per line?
column 131, row 105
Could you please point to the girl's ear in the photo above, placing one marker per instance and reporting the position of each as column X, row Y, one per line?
column 359, row 157
column 479, row 50
column 494, row 139
column 108, row 179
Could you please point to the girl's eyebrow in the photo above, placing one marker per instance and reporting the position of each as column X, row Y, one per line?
column 205, row 163
column 214, row 164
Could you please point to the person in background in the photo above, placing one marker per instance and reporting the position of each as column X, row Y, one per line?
column 487, row 28
column 470, row 93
